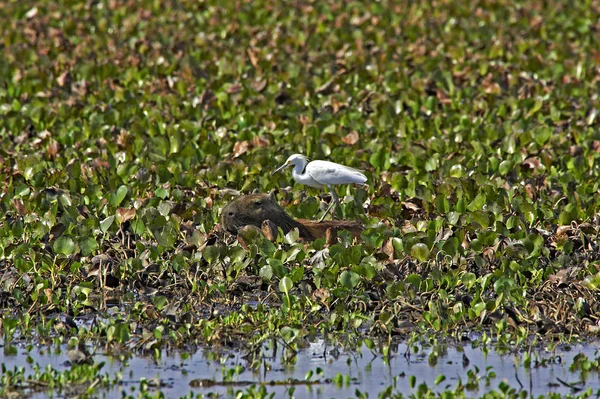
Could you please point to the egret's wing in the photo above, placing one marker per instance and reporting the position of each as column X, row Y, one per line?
column 325, row 172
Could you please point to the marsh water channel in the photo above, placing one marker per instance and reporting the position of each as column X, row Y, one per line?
column 336, row 373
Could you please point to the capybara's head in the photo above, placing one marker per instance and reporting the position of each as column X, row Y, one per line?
column 252, row 209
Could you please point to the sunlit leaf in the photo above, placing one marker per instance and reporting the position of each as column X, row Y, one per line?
column 285, row 284
column 65, row 245
column 420, row 252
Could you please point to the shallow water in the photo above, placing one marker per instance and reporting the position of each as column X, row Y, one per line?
column 365, row 371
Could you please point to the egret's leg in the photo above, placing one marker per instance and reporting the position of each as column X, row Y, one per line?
column 327, row 211
column 334, row 195
column 335, row 201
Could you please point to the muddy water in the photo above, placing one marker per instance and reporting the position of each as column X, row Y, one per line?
column 362, row 370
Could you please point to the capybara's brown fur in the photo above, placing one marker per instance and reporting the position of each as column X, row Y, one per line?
column 254, row 209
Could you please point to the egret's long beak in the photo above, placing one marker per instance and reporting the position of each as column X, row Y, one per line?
column 279, row 168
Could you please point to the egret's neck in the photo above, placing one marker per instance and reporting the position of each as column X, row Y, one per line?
column 299, row 170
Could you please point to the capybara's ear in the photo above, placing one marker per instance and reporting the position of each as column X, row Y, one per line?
column 272, row 195
column 256, row 191
column 269, row 229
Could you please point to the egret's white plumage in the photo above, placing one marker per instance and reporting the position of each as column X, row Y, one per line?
column 318, row 174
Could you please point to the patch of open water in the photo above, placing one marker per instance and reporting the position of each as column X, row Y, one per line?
column 365, row 371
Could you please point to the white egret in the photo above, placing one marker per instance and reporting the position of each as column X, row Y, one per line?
column 318, row 174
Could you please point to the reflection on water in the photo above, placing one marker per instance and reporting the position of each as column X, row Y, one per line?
column 362, row 370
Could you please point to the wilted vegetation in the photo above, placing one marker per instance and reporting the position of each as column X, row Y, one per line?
column 127, row 126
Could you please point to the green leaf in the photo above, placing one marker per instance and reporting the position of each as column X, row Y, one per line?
column 414, row 280
column 106, row 223
column 457, row 170
column 119, row 196
column 266, row 272
column 542, row 135
column 121, row 333
column 478, row 308
column 289, row 334
column 297, row 274
column 381, row 158
column 349, row 279
column 65, row 245
column 159, row 301
column 285, row 284
column 138, row 226
column 477, row 203
column 237, row 254
column 277, row 267
column 505, row 167
column 161, row 193
column 367, row 271
column 164, row 208
column 395, row 290
column 420, row 252
column 210, row 254
column 481, row 217
column 468, row 279
column 88, row 246
column 453, row 217
column 292, row 236
column 166, row 236
column 536, row 107
column 442, row 205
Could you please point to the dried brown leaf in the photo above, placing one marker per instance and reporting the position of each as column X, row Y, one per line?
column 253, row 57
column 240, row 148
column 123, row 138
column 101, row 163
column 18, row 203
column 336, row 105
column 304, row 120
column 563, row 231
column 351, row 138
column 533, row 163
column 234, row 88
column 531, row 191
column 443, row 97
column 564, row 276
column 63, row 79
column 321, row 294
column 259, row 85
column 408, row 227
column 489, row 253
column 326, row 88
column 411, row 206
column 388, row 249
column 207, row 97
column 260, row 141
column 53, row 148
column 126, row 214
column 536, row 21
column 575, row 150
column 489, row 86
